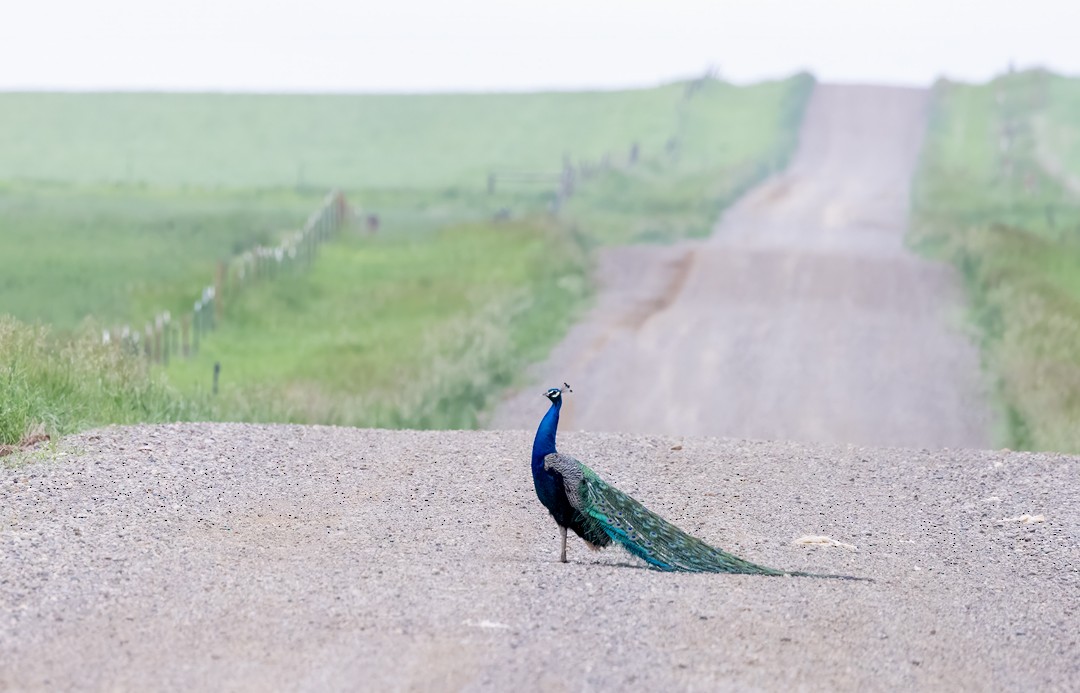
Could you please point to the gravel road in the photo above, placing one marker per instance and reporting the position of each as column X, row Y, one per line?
column 244, row 557
column 803, row 317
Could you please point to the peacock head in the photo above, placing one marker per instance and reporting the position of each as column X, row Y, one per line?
column 554, row 394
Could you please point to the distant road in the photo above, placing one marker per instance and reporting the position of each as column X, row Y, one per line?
column 803, row 317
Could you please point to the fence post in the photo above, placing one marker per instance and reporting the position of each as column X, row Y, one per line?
column 164, row 331
column 161, row 340
column 566, row 184
column 209, row 299
column 219, row 285
column 196, row 327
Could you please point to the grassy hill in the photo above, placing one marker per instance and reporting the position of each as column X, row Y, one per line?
column 997, row 196
column 144, row 192
column 357, row 141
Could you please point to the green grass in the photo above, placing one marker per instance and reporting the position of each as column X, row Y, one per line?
column 433, row 315
column 396, row 331
column 90, row 241
column 63, row 384
column 348, row 141
column 121, row 254
column 118, row 205
column 1062, row 113
column 728, row 139
column 1013, row 229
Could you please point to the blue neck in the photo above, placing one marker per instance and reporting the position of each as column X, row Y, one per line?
column 544, row 443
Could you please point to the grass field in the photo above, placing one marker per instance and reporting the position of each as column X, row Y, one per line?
column 212, row 181
column 391, row 332
column 348, row 141
column 121, row 253
column 118, row 205
column 988, row 200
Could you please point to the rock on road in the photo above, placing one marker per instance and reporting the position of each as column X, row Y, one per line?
column 803, row 317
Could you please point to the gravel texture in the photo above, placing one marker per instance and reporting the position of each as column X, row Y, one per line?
column 246, row 557
column 803, row 317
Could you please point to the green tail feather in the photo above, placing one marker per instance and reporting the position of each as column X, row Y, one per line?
column 644, row 533
column 652, row 538
column 658, row 542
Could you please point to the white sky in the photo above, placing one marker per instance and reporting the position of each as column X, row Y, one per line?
column 423, row 45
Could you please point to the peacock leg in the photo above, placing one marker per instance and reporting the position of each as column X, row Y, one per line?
column 562, row 553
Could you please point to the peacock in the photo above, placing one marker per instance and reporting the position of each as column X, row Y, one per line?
column 600, row 514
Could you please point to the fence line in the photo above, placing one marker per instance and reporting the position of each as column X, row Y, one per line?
column 164, row 338
column 564, row 183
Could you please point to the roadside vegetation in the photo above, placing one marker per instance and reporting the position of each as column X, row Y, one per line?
column 120, row 205
column 54, row 384
column 391, row 332
column 997, row 196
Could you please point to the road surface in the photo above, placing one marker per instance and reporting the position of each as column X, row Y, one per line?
column 803, row 317
column 254, row 558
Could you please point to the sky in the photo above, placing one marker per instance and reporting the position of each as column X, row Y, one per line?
column 494, row 45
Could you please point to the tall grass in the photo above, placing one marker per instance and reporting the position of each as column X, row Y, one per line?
column 65, row 384
column 986, row 201
column 419, row 332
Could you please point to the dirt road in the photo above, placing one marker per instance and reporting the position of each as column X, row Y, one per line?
column 803, row 317
column 233, row 557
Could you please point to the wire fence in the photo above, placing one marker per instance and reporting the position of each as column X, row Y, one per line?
column 167, row 337
column 563, row 184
